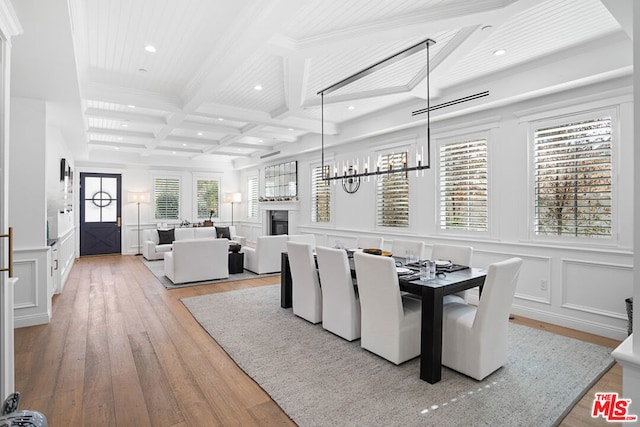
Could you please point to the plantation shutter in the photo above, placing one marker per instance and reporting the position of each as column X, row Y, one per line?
column 208, row 197
column 320, row 197
column 463, row 186
column 252, row 198
column 393, row 192
column 572, row 167
column 167, row 198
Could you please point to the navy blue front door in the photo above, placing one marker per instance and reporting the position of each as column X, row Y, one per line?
column 100, row 213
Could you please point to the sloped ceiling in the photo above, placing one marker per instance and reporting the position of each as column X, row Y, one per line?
column 232, row 81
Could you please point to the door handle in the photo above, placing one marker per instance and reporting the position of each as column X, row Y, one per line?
column 119, row 222
column 9, row 235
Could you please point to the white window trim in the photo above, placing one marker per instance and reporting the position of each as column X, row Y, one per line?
column 382, row 150
column 194, row 194
column 576, row 115
column 249, row 176
column 450, row 139
column 180, row 196
column 312, row 167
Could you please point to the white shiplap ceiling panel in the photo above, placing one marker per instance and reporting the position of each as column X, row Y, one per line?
column 544, row 29
column 211, row 54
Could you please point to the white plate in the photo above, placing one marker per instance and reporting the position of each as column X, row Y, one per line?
column 402, row 270
column 440, row 263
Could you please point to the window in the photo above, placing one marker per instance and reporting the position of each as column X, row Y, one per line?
column 320, row 197
column 393, row 192
column 167, row 198
column 252, row 197
column 572, row 173
column 463, row 186
column 207, row 197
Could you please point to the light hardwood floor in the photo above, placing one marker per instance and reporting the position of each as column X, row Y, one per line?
column 121, row 350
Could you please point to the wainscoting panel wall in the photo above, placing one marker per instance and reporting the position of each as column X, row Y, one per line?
column 34, row 289
column 595, row 287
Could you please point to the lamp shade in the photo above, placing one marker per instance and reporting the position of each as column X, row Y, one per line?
column 138, row 197
column 233, row 197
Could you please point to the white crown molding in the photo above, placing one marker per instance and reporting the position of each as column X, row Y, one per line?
column 9, row 24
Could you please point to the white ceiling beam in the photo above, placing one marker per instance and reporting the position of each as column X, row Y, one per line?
column 123, row 116
column 622, row 11
column 132, row 96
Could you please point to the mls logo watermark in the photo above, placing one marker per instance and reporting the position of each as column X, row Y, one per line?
column 612, row 408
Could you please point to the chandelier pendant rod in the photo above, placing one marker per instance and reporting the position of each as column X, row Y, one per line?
column 378, row 65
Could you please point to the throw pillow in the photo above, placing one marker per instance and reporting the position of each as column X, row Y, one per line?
column 223, row 233
column 166, row 237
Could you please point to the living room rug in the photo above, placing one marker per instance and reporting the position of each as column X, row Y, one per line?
column 319, row 379
column 157, row 268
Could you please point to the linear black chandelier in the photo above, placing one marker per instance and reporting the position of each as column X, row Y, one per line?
column 352, row 171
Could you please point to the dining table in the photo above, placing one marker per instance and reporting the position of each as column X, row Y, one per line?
column 431, row 292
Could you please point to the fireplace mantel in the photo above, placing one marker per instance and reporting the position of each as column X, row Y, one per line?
column 279, row 206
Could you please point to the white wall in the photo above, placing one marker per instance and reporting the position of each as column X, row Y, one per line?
column 581, row 284
column 140, row 179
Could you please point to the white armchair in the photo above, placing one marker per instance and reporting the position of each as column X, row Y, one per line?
column 266, row 256
column 340, row 304
column 474, row 340
column 390, row 321
column 193, row 260
column 306, row 294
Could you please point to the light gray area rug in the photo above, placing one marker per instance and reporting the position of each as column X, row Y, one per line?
column 319, row 379
column 157, row 268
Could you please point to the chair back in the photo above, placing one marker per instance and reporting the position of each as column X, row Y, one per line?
column 306, row 293
column 380, row 299
column 460, row 255
column 340, row 307
column 494, row 307
column 366, row 242
column 399, row 248
column 304, row 238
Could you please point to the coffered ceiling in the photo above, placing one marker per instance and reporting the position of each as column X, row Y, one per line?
column 234, row 80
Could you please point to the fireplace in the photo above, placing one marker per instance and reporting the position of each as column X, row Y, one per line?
column 278, row 222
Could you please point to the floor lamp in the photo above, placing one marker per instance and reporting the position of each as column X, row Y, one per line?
column 137, row 198
column 232, row 198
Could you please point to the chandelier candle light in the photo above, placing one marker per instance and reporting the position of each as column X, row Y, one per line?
column 351, row 171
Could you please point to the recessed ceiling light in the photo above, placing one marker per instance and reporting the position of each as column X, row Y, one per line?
column 124, row 125
column 258, row 87
column 150, row 48
column 499, row 52
column 290, row 129
column 173, row 152
column 119, row 138
column 260, row 140
column 131, row 106
column 117, row 148
column 199, row 133
column 220, row 118
column 184, row 145
column 351, row 107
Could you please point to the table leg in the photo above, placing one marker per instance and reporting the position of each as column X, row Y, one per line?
column 431, row 335
column 285, row 281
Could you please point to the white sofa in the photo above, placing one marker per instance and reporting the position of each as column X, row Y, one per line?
column 193, row 260
column 266, row 256
column 153, row 250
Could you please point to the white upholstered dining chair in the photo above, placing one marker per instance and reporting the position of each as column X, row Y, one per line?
column 399, row 248
column 306, row 298
column 390, row 321
column 475, row 339
column 460, row 255
column 340, row 303
column 367, row 242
